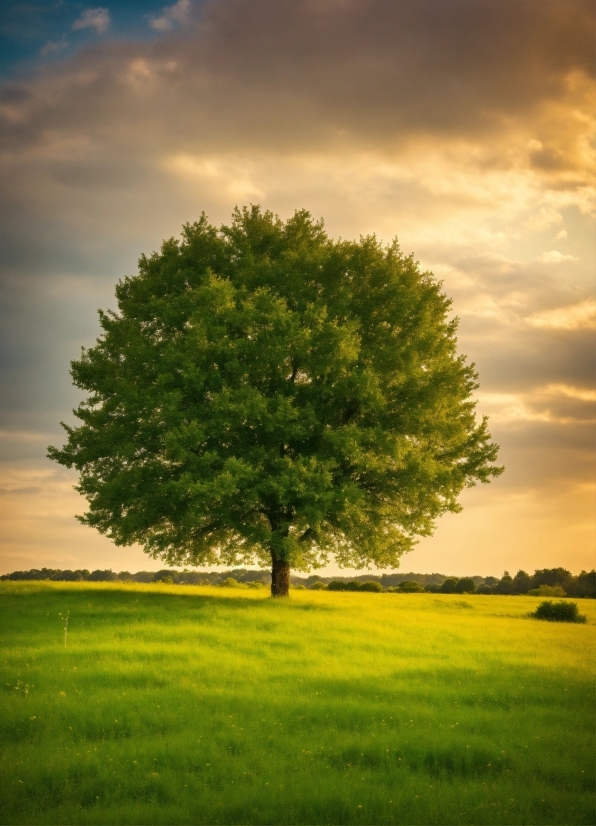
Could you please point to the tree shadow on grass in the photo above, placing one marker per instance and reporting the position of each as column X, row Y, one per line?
column 122, row 599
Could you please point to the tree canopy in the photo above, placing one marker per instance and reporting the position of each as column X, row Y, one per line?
column 267, row 394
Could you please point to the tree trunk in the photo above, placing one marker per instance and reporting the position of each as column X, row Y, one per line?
column 280, row 577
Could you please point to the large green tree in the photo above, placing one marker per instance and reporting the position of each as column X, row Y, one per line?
column 265, row 393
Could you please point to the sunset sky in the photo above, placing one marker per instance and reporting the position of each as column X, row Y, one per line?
column 463, row 127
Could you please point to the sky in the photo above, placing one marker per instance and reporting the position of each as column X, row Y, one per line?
column 463, row 127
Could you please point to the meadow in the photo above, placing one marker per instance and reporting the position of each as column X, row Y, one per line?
column 174, row 704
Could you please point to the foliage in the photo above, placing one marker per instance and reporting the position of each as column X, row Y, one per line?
column 371, row 586
column 448, row 587
column 465, row 585
column 521, row 583
column 547, row 591
column 318, row 586
column 338, row 585
column 552, row 577
column 410, row 587
column 230, row 582
column 102, row 576
column 165, row 577
column 504, row 585
column 265, row 393
column 584, row 585
column 204, row 706
column 559, row 612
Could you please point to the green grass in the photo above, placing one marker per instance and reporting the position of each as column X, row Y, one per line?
column 202, row 705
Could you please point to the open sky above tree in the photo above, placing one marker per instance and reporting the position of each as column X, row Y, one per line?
column 463, row 127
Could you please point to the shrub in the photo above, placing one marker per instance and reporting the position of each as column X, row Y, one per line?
column 257, row 583
column 318, row 586
column 558, row 612
column 448, row 587
column 371, row 585
column 353, row 585
column 484, row 589
column 547, row 591
column 335, row 585
column 410, row 586
column 230, row 582
column 165, row 580
column 298, row 587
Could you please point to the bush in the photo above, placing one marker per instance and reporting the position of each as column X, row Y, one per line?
column 257, row 583
column 318, row 586
column 448, row 587
column 230, row 582
column 371, row 585
column 410, row 586
column 335, row 585
column 484, row 589
column 298, row 587
column 165, row 580
column 558, row 612
column 547, row 591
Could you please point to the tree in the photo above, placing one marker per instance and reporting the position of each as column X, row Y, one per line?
column 551, row 576
column 521, row 583
column 267, row 393
column 465, row 585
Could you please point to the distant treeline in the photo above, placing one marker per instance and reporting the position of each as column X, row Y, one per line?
column 543, row 582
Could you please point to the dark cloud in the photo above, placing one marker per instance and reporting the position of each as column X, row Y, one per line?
column 448, row 65
column 516, row 360
column 285, row 74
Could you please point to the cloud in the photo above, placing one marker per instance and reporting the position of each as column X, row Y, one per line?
column 558, row 404
column 576, row 317
column 571, row 392
column 177, row 14
column 374, row 75
column 54, row 47
column 555, row 257
column 98, row 19
column 26, row 491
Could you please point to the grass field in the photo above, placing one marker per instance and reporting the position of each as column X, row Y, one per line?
column 203, row 705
